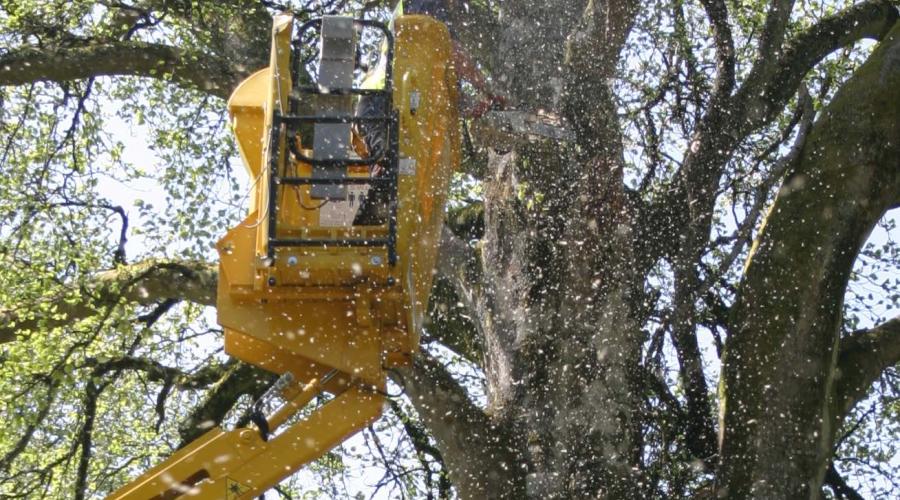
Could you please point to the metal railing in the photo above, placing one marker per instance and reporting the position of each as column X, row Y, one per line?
column 290, row 125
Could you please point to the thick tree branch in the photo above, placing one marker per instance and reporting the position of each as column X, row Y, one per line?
column 477, row 451
column 768, row 87
column 154, row 282
column 418, row 435
column 767, row 90
column 774, row 29
column 700, row 432
column 717, row 12
column 238, row 379
column 204, row 72
column 158, row 372
column 592, row 52
column 778, row 378
column 840, row 488
column 771, row 83
column 804, row 117
column 86, row 437
column 145, row 283
column 449, row 322
column 862, row 359
column 765, row 93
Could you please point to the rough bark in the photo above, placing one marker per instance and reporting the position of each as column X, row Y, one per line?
column 479, row 451
column 863, row 358
column 146, row 283
column 777, row 425
column 197, row 70
column 729, row 119
column 237, row 380
column 555, row 305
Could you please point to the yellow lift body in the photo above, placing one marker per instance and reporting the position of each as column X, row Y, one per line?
column 305, row 290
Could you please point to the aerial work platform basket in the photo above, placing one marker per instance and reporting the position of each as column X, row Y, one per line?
column 310, row 287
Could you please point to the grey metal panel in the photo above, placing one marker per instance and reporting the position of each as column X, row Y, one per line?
column 333, row 74
column 328, row 143
column 332, row 140
column 338, row 38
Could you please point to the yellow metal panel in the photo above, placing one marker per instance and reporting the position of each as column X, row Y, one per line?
column 276, row 360
column 321, row 310
column 162, row 477
column 239, row 464
column 355, row 334
column 277, row 99
column 236, row 256
column 300, row 444
column 429, row 136
column 248, row 120
column 323, row 332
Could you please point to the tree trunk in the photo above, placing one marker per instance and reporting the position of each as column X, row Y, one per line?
column 777, row 432
column 561, row 343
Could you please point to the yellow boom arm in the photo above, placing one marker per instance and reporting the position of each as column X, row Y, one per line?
column 304, row 291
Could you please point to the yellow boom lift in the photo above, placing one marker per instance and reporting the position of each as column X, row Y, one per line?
column 305, row 289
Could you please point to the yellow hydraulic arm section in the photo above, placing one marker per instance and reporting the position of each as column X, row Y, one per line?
column 304, row 290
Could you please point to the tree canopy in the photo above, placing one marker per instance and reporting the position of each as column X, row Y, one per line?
column 691, row 292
